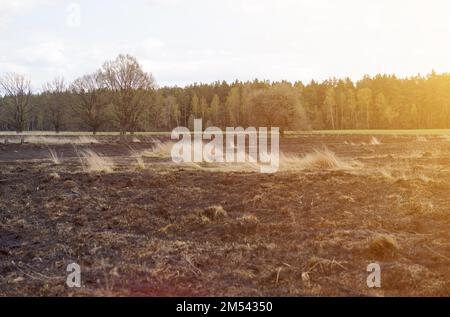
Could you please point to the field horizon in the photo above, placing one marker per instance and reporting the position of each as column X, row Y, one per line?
column 287, row 133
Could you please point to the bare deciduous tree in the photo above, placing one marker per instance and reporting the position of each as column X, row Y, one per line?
column 92, row 100
column 17, row 92
column 54, row 93
column 130, row 86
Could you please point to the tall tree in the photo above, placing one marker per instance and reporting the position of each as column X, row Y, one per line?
column 17, row 91
column 215, row 106
column 131, row 87
column 54, row 94
column 330, row 106
column 172, row 112
column 233, row 103
column 278, row 106
column 204, row 109
column 364, row 97
column 195, row 106
column 380, row 106
column 91, row 100
column 351, row 105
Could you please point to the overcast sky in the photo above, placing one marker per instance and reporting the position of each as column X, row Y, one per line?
column 187, row 41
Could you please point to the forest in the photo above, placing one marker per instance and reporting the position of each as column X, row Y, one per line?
column 121, row 96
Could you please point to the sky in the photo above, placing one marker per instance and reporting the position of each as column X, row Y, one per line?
column 187, row 41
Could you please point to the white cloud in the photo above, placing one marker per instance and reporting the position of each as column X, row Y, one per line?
column 44, row 54
column 163, row 2
column 151, row 47
column 182, row 42
column 11, row 8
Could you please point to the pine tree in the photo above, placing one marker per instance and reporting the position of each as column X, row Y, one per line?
column 233, row 103
column 364, row 102
column 204, row 109
column 330, row 106
column 380, row 106
column 195, row 106
column 215, row 106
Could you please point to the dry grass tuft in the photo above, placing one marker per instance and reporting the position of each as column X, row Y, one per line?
column 161, row 150
column 53, row 156
column 248, row 220
column 93, row 162
column 421, row 138
column 345, row 199
column 375, row 141
column 215, row 212
column 319, row 159
column 54, row 176
column 140, row 164
column 383, row 246
column 387, row 173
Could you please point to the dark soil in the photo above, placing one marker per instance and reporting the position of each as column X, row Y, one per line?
column 152, row 232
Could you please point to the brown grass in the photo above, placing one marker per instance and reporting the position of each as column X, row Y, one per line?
column 60, row 140
column 93, row 162
column 54, row 157
column 375, row 141
column 383, row 246
column 161, row 150
column 319, row 159
column 215, row 212
column 421, row 138
column 248, row 220
column 139, row 164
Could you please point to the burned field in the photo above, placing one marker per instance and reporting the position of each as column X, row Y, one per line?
column 137, row 224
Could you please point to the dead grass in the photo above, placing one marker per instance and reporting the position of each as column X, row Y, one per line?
column 93, row 162
column 375, row 141
column 416, row 206
column 54, row 176
column 167, row 233
column 248, row 220
column 396, row 175
column 60, row 140
column 164, row 150
column 215, row 212
column 319, row 159
column 160, row 150
column 421, row 138
column 54, row 157
column 323, row 265
column 139, row 164
column 383, row 246
column 387, row 173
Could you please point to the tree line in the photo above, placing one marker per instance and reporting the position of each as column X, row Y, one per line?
column 121, row 96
